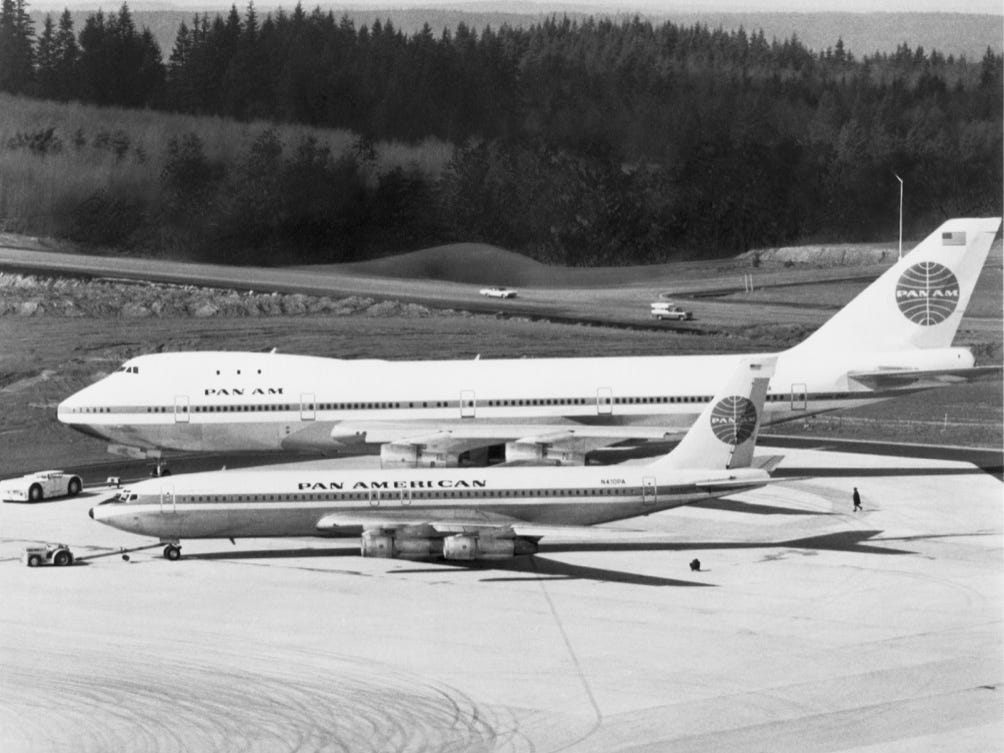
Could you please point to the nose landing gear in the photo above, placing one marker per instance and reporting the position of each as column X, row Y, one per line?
column 172, row 551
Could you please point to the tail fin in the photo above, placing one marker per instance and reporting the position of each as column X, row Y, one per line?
column 725, row 434
column 920, row 300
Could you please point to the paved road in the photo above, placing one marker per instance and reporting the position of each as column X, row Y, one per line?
column 620, row 305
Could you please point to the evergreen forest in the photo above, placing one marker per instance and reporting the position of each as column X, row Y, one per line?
column 592, row 142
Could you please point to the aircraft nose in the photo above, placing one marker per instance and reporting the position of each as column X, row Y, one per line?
column 91, row 513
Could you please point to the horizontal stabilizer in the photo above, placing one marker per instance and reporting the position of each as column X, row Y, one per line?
column 740, row 484
column 767, row 462
column 891, row 378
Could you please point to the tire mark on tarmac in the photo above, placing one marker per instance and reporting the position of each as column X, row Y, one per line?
column 106, row 696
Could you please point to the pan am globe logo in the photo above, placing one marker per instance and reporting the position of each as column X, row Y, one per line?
column 733, row 419
column 927, row 293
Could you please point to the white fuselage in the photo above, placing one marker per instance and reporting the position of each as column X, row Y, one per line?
column 222, row 401
column 275, row 503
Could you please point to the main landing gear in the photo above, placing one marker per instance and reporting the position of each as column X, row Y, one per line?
column 172, row 551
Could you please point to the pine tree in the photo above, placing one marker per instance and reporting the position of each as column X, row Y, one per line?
column 67, row 55
column 17, row 50
column 47, row 60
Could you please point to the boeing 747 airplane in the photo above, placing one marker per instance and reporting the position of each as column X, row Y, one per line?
column 894, row 338
column 459, row 514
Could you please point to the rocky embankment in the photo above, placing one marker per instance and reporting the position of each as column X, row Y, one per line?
column 29, row 295
column 831, row 255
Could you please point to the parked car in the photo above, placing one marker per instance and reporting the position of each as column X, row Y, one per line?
column 498, row 292
column 40, row 485
column 663, row 310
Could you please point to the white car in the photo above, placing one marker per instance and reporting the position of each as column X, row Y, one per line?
column 40, row 485
column 669, row 311
column 498, row 292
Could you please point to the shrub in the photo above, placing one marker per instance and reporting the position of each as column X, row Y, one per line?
column 40, row 142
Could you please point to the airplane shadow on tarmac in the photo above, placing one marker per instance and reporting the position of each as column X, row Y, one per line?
column 754, row 508
column 857, row 472
column 855, row 541
column 542, row 568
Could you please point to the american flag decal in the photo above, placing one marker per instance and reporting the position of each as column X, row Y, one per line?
column 955, row 238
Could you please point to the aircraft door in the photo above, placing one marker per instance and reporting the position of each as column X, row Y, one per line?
column 167, row 502
column 649, row 495
column 307, row 406
column 374, row 497
column 468, row 404
column 181, row 410
column 604, row 401
column 799, row 398
column 405, row 497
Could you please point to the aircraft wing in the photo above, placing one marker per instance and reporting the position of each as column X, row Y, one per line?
column 531, row 443
column 415, row 432
column 893, row 377
column 468, row 522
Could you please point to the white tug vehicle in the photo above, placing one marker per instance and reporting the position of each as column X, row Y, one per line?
column 34, row 487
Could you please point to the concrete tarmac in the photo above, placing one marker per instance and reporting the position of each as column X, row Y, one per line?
column 808, row 628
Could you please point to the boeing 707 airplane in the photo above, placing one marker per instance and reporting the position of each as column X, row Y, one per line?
column 894, row 338
column 459, row 514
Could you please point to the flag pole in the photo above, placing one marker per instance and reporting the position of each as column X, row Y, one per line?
column 900, row 215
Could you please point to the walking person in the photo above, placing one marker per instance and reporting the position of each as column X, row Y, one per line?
column 857, row 500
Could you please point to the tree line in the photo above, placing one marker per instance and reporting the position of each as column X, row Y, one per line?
column 584, row 142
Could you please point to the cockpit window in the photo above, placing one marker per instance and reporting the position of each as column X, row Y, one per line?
column 129, row 369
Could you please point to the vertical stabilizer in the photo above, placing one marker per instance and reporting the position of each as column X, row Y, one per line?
column 725, row 434
column 919, row 301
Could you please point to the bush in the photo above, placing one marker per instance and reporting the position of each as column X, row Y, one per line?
column 40, row 142
column 106, row 219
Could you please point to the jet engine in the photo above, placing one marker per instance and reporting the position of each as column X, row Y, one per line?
column 378, row 544
column 461, row 546
column 414, row 456
column 464, row 546
column 542, row 453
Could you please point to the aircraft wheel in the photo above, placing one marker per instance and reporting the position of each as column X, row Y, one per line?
column 172, row 552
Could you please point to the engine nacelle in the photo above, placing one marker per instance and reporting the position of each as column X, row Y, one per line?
column 463, row 546
column 413, row 547
column 539, row 453
column 386, row 545
column 414, row 456
column 460, row 546
column 376, row 545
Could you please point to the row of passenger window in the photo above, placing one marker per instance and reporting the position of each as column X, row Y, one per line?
column 393, row 495
column 269, row 408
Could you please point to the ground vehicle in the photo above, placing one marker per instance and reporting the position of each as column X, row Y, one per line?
column 665, row 310
column 41, row 554
column 34, row 487
column 498, row 292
